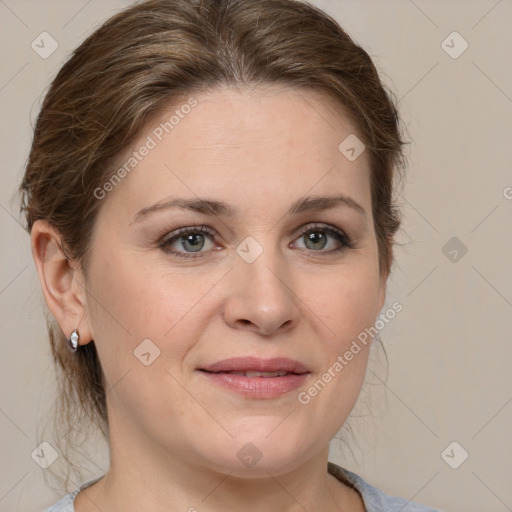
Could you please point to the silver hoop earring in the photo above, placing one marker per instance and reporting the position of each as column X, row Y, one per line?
column 73, row 341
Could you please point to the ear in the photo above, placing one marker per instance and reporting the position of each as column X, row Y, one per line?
column 61, row 280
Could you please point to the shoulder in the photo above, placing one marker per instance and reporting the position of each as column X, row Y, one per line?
column 374, row 499
column 66, row 504
column 63, row 505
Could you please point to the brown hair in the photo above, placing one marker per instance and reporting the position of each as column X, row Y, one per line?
column 145, row 59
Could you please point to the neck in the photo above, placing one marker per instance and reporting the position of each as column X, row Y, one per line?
column 145, row 478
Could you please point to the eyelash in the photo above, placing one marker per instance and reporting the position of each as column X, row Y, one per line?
column 344, row 239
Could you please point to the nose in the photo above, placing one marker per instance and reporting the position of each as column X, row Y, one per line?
column 260, row 297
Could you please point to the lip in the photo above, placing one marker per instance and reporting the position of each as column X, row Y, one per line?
column 255, row 364
column 257, row 387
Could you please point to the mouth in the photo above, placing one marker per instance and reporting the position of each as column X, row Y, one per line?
column 257, row 378
column 265, row 367
column 251, row 374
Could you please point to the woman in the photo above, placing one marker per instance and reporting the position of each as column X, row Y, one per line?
column 210, row 200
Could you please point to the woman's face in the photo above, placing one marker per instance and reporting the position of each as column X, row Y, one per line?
column 263, row 272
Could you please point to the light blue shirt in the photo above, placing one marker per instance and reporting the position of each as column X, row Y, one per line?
column 374, row 500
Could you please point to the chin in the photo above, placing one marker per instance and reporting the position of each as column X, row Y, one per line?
column 258, row 454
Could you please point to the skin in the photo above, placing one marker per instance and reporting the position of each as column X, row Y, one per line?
column 174, row 436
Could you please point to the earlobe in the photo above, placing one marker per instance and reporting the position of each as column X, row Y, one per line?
column 61, row 281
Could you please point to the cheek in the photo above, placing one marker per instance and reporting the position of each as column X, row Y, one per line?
column 139, row 310
column 346, row 303
column 346, row 307
column 133, row 301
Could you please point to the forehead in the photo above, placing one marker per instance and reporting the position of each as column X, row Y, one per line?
column 296, row 116
column 238, row 143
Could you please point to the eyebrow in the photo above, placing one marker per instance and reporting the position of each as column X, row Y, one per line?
column 220, row 208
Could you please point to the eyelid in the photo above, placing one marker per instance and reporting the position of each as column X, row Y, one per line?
column 346, row 240
column 195, row 228
column 180, row 232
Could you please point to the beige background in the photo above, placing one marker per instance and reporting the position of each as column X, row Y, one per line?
column 450, row 349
